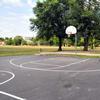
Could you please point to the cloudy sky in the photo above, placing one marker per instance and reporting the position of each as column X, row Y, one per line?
column 14, row 17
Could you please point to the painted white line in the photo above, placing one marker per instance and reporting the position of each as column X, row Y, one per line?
column 36, row 61
column 51, row 70
column 70, row 64
column 11, row 62
column 68, row 71
column 13, row 75
column 58, row 66
column 12, row 96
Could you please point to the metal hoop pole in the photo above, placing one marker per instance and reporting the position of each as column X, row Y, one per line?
column 76, row 43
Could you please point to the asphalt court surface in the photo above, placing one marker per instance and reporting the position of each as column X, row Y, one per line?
column 49, row 78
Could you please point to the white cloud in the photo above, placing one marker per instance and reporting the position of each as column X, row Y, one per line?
column 15, row 24
column 27, row 17
column 0, row 4
column 12, row 2
column 10, row 13
column 31, row 3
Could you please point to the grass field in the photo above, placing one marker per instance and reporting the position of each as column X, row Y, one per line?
column 28, row 50
column 23, row 50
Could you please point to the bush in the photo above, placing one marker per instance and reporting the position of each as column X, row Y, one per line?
column 54, row 41
column 97, row 43
column 29, row 42
column 24, row 42
column 18, row 40
column 9, row 41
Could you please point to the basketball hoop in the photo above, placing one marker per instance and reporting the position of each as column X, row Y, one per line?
column 71, row 30
column 69, row 35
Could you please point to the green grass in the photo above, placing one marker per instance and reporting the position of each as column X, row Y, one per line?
column 22, row 50
column 31, row 50
column 11, row 51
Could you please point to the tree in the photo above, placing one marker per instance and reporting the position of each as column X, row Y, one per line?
column 18, row 40
column 53, row 16
column 35, row 41
column 51, row 19
column 54, row 41
column 85, row 15
column 23, row 42
column 1, row 39
column 9, row 41
column 88, row 20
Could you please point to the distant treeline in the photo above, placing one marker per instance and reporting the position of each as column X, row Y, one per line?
column 54, row 41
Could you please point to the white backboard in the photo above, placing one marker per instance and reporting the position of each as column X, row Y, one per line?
column 71, row 30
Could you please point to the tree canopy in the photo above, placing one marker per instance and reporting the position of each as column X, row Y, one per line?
column 53, row 16
column 18, row 40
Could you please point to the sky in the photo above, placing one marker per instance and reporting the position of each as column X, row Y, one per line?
column 14, row 18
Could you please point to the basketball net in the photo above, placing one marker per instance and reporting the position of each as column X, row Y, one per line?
column 69, row 35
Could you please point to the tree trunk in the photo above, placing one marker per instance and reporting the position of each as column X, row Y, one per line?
column 92, row 43
column 86, row 42
column 60, row 44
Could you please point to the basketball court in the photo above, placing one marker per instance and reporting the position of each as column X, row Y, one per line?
column 49, row 78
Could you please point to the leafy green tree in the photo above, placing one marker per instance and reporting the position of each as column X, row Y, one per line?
column 1, row 39
column 54, row 41
column 18, row 40
column 29, row 42
column 51, row 19
column 35, row 41
column 43, row 41
column 9, row 41
column 88, row 21
column 53, row 16
column 85, row 15
column 23, row 42
column 81, row 41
